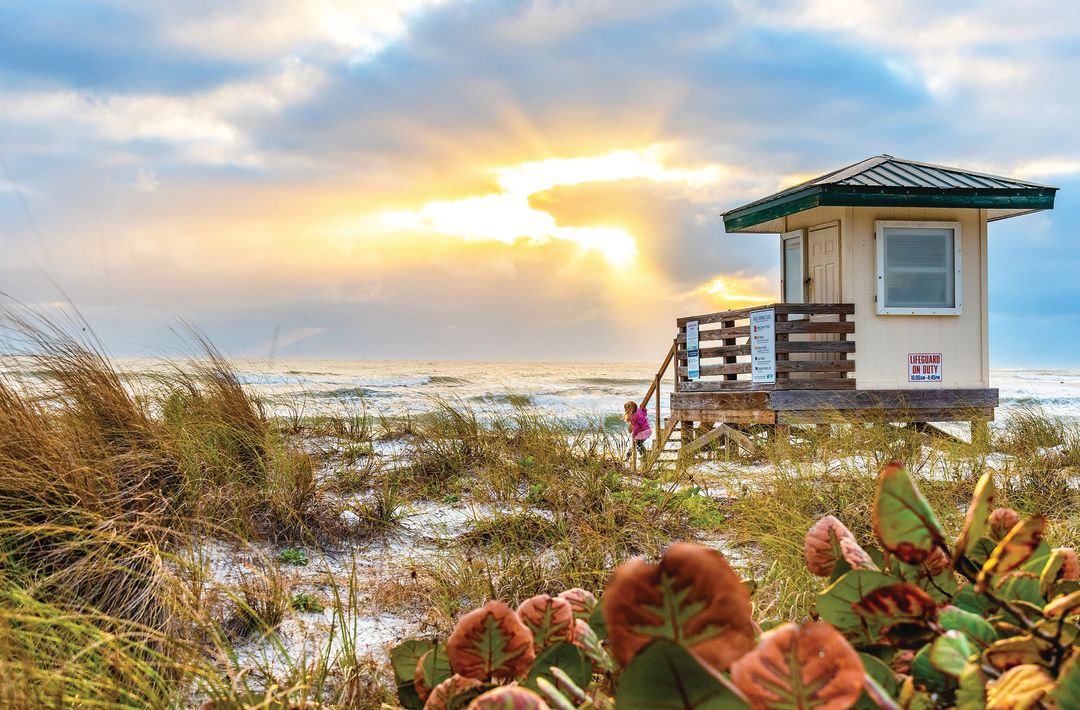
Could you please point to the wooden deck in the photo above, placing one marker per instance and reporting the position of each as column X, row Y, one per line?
column 814, row 381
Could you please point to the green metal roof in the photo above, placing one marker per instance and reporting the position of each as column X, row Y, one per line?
column 885, row 181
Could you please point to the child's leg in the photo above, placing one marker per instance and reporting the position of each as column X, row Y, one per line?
column 641, row 446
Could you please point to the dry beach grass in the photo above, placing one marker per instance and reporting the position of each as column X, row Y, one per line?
column 164, row 541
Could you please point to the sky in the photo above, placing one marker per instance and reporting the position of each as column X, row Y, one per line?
column 492, row 180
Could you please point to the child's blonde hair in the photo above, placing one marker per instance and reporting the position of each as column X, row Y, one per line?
column 628, row 409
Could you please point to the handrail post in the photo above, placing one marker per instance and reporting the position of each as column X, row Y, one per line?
column 656, row 384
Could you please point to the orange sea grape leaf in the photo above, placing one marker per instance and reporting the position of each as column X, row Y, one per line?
column 978, row 514
column 829, row 540
column 509, row 697
column 1017, row 651
column 807, row 665
column 903, row 520
column 901, row 602
column 1018, row 688
column 491, row 642
column 582, row 601
column 454, row 693
column 550, row 619
column 1013, row 550
column 1001, row 521
column 1064, row 605
column 692, row 597
column 1070, row 570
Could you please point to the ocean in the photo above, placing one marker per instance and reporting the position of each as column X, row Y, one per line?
column 584, row 392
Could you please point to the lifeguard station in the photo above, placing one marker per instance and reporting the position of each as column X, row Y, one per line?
column 883, row 318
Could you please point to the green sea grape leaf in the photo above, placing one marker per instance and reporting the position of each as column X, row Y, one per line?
column 1052, row 569
column 926, row 676
column 597, row 623
column 433, row 668
column 971, row 692
column 665, row 675
column 1014, row 550
column 950, row 652
column 1068, row 683
column 491, row 642
column 809, row 666
column 978, row 512
column 968, row 600
column 903, row 521
column 942, row 586
column 550, row 619
column 977, row 628
column 404, row 659
column 885, row 686
column 562, row 655
column 981, row 552
column 692, row 597
column 834, row 603
column 406, row 655
column 554, row 696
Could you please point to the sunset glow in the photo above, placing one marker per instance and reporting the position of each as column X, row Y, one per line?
column 508, row 216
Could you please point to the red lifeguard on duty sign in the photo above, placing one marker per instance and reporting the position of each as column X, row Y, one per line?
column 924, row 367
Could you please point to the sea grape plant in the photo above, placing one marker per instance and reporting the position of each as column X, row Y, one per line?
column 989, row 622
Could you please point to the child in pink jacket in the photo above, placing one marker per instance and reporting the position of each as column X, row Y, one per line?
column 637, row 421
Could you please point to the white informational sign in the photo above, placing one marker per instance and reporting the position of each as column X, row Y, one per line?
column 693, row 359
column 924, row 367
column 763, row 346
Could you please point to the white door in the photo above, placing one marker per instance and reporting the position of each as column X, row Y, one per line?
column 822, row 263
column 822, row 257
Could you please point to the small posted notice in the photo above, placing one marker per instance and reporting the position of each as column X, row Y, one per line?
column 924, row 367
column 763, row 346
column 693, row 361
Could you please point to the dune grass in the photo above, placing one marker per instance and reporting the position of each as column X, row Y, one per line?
column 114, row 488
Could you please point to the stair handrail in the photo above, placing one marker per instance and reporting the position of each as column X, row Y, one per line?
column 654, row 388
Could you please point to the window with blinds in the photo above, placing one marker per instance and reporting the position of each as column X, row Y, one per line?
column 918, row 268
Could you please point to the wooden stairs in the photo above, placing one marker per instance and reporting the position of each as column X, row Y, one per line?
column 676, row 440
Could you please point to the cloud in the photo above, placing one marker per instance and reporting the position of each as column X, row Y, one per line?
column 390, row 170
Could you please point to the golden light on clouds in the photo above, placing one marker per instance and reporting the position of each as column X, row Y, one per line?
column 738, row 291
column 507, row 216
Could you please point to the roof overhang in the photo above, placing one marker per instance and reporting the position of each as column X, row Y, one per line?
column 767, row 216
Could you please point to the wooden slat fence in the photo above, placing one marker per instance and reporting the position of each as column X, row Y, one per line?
column 724, row 349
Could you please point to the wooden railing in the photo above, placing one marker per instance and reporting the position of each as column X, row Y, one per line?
column 812, row 342
column 654, row 389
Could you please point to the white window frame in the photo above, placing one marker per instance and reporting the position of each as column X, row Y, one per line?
column 879, row 236
column 800, row 236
